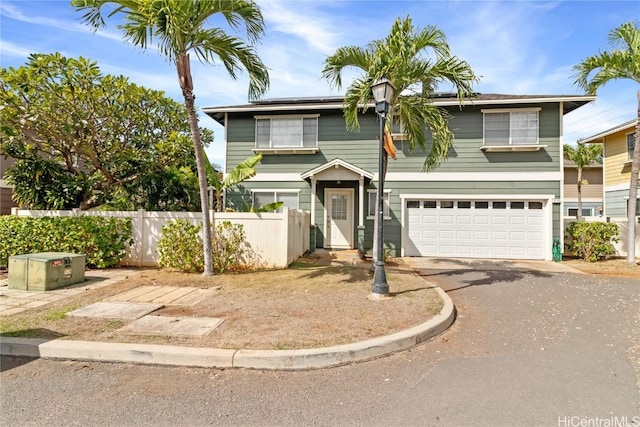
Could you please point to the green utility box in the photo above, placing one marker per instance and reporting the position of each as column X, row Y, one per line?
column 45, row 271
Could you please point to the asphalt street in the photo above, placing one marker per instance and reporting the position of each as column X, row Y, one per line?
column 528, row 348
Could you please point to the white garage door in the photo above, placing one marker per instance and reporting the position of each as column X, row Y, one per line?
column 512, row 229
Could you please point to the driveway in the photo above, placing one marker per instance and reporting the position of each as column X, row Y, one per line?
column 530, row 347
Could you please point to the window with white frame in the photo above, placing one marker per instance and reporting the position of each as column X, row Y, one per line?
column 287, row 132
column 510, row 127
column 631, row 143
column 371, row 211
column 289, row 198
column 585, row 212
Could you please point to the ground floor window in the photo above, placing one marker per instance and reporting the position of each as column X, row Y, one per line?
column 585, row 212
column 371, row 212
column 289, row 198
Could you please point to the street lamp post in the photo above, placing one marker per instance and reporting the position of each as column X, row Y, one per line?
column 382, row 93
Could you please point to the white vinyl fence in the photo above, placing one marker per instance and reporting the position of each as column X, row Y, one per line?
column 622, row 246
column 274, row 239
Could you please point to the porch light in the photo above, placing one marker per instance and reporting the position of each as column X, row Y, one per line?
column 383, row 94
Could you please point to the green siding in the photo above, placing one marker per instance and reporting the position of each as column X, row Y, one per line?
column 616, row 203
column 361, row 148
column 393, row 226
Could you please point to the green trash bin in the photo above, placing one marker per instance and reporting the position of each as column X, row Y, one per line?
column 557, row 250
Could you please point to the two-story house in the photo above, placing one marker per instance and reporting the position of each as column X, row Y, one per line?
column 618, row 144
column 591, row 190
column 498, row 195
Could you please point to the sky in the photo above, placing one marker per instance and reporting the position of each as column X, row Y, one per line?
column 516, row 47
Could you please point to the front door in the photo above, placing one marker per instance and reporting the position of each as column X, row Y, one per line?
column 339, row 218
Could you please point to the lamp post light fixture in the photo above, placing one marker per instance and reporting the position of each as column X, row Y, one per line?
column 382, row 93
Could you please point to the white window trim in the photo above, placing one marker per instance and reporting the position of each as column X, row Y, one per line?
column 294, row 149
column 274, row 192
column 591, row 212
column 511, row 146
column 626, row 147
column 387, row 193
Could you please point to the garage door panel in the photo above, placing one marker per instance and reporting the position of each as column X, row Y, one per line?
column 535, row 221
column 500, row 219
column 464, row 235
column 481, row 235
column 481, row 220
column 446, row 234
column 515, row 232
column 517, row 220
column 465, row 219
column 499, row 235
column 446, row 219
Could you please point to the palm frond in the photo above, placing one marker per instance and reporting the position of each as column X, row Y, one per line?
column 243, row 171
column 623, row 62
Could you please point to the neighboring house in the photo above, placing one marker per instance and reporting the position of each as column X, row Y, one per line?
column 591, row 190
column 498, row 195
column 618, row 144
column 6, row 203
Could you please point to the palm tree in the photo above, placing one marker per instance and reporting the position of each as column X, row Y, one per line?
column 622, row 62
column 403, row 58
column 180, row 27
column 582, row 155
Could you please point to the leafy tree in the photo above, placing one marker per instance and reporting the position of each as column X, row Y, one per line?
column 180, row 27
column 622, row 62
column 582, row 155
column 416, row 61
column 84, row 139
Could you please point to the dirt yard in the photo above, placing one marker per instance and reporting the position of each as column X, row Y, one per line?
column 305, row 306
column 617, row 267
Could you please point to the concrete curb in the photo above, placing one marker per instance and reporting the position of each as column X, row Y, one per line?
column 228, row 358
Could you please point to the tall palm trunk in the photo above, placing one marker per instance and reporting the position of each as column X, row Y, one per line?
column 633, row 194
column 186, row 83
column 579, row 215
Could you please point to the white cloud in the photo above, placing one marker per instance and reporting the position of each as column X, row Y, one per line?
column 12, row 12
column 10, row 49
column 312, row 26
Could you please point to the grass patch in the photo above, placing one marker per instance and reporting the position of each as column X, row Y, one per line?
column 58, row 314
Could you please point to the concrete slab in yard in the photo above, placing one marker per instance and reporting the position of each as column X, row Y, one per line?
column 116, row 310
column 176, row 326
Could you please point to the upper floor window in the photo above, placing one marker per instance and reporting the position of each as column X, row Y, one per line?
column 514, row 127
column 631, row 143
column 287, row 132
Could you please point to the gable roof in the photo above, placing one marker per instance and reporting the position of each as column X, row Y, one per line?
column 337, row 163
column 569, row 102
column 597, row 137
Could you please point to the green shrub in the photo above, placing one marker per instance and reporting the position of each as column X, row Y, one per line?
column 592, row 240
column 180, row 246
column 103, row 241
column 228, row 246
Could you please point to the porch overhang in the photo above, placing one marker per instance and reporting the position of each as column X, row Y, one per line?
column 336, row 169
